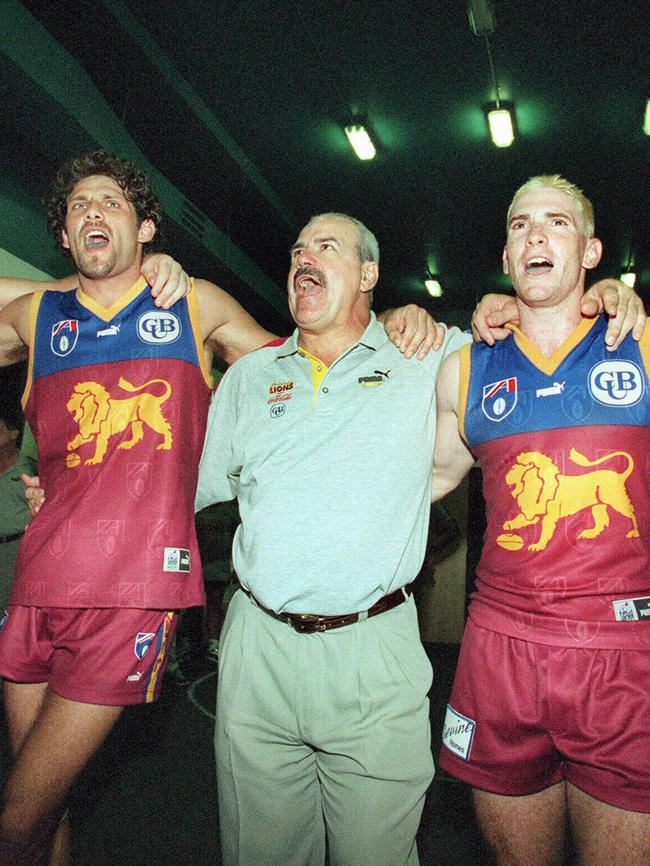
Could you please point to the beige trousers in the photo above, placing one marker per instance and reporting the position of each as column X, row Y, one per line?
column 321, row 736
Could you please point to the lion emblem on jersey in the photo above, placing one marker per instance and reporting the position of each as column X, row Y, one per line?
column 543, row 494
column 100, row 416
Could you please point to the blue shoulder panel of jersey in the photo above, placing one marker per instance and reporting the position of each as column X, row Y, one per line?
column 69, row 335
column 509, row 394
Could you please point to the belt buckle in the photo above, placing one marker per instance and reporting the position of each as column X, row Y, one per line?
column 306, row 623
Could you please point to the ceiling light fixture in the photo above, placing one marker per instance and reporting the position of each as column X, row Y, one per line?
column 646, row 119
column 500, row 116
column 433, row 286
column 359, row 138
column 501, row 124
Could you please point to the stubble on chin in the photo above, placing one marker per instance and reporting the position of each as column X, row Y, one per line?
column 94, row 269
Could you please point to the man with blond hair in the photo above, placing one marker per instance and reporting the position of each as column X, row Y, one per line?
column 548, row 717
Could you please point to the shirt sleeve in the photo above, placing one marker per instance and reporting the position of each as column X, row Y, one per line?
column 454, row 339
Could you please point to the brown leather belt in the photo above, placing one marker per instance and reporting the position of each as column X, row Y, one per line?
column 306, row 623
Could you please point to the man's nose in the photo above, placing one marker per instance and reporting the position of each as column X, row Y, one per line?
column 94, row 211
column 305, row 257
column 536, row 234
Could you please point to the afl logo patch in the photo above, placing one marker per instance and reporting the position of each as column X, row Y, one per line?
column 143, row 641
column 64, row 337
column 277, row 410
column 499, row 398
column 158, row 326
column 616, row 383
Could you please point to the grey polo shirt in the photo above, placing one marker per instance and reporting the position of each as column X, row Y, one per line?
column 332, row 469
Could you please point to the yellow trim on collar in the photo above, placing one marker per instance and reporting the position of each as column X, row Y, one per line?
column 108, row 313
column 550, row 365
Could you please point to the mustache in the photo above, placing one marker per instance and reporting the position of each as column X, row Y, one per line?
column 305, row 270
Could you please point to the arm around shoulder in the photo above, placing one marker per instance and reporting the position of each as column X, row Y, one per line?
column 225, row 325
column 12, row 288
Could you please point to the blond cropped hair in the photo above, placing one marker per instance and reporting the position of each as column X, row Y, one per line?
column 556, row 181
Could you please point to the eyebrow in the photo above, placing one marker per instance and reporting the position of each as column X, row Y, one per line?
column 548, row 215
column 299, row 246
column 85, row 196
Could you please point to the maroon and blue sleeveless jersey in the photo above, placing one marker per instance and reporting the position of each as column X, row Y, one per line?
column 117, row 399
column 564, row 445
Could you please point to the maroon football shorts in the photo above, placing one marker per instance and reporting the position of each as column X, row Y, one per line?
column 111, row 656
column 523, row 716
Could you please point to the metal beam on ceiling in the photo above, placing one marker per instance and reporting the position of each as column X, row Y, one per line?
column 25, row 42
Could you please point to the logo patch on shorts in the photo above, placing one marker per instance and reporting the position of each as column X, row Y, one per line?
column 4, row 616
column 143, row 641
column 458, row 733
column 631, row 609
column 176, row 559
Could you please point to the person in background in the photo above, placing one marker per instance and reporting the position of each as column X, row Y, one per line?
column 14, row 513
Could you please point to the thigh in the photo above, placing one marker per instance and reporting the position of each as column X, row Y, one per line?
column 62, row 738
column 607, row 834
column 372, row 731
column 495, row 735
column 270, row 807
column 525, row 830
column 22, row 702
column 600, row 711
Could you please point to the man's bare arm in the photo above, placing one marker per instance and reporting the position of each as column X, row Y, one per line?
column 14, row 331
column 227, row 329
column 622, row 304
column 169, row 282
column 452, row 459
column 13, row 287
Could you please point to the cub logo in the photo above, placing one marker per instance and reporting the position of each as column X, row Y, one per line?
column 616, row 383
column 64, row 337
column 158, row 326
column 100, row 416
column 542, row 493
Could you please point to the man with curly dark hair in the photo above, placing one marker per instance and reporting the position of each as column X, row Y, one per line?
column 134, row 184
column 117, row 397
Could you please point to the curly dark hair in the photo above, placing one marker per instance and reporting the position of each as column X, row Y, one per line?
column 134, row 183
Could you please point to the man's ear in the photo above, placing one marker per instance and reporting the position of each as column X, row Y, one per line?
column 369, row 276
column 146, row 231
column 504, row 259
column 592, row 254
column 64, row 240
